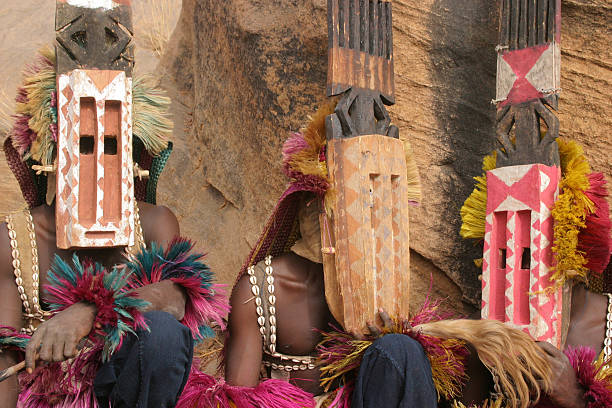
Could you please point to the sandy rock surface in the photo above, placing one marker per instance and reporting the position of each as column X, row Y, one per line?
column 244, row 73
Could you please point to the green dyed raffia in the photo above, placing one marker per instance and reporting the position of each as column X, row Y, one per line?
column 157, row 166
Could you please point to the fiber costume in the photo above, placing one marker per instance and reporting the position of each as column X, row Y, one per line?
column 95, row 140
column 541, row 212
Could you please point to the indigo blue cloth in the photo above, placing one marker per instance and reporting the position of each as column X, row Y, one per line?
column 150, row 369
column 394, row 373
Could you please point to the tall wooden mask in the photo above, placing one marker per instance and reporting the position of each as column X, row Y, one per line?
column 518, row 256
column 95, row 190
column 367, row 167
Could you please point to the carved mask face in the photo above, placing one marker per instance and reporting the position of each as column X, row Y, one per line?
column 95, row 190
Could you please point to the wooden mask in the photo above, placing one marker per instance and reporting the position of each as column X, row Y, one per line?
column 521, row 192
column 95, row 189
column 367, row 167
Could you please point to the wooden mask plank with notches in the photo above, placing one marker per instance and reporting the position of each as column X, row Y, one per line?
column 367, row 168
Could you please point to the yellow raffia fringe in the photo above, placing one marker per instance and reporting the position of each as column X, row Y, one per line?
column 151, row 123
column 487, row 404
column 570, row 212
column 307, row 160
column 446, row 384
column 605, row 371
column 474, row 210
column 331, row 372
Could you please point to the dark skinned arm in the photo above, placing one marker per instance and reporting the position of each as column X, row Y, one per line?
column 566, row 392
column 10, row 315
column 57, row 338
column 160, row 225
column 244, row 342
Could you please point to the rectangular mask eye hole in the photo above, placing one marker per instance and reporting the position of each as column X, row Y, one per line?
column 86, row 145
column 110, row 145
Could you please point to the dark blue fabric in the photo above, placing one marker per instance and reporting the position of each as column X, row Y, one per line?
column 150, row 369
column 395, row 372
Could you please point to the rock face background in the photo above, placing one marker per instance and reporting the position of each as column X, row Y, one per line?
column 244, row 73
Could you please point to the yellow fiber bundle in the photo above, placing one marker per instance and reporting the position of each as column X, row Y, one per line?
column 412, row 172
column 443, row 374
column 570, row 212
column 474, row 210
column 604, row 371
column 39, row 87
column 486, row 404
column 307, row 161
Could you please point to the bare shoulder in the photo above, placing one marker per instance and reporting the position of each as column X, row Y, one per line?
column 292, row 268
column 159, row 224
column 240, row 298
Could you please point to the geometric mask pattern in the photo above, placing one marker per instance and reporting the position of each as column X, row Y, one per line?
column 528, row 74
column 517, row 256
column 95, row 189
column 370, row 228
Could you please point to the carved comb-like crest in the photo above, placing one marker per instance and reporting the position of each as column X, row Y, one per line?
column 360, row 47
column 528, row 77
column 94, row 35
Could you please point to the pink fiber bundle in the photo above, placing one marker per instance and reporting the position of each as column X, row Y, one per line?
column 205, row 391
column 598, row 392
column 595, row 238
column 22, row 135
column 62, row 385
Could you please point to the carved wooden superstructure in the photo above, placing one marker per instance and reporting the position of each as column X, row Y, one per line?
column 528, row 75
column 94, row 34
column 95, row 182
column 367, row 167
column 521, row 191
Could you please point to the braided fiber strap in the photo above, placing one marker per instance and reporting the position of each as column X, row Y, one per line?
column 25, row 176
column 157, row 166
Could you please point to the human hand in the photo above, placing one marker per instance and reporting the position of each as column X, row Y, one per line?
column 57, row 338
column 165, row 296
column 566, row 392
column 375, row 330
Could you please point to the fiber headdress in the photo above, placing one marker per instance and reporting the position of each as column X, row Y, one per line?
column 33, row 138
